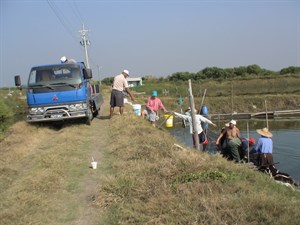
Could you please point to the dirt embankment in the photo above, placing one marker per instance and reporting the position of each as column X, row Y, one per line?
column 45, row 174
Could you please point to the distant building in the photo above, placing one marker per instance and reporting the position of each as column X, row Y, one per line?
column 134, row 81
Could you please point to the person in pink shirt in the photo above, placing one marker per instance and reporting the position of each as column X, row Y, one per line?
column 152, row 107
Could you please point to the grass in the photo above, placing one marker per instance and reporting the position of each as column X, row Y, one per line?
column 39, row 183
column 145, row 178
column 226, row 96
column 151, row 181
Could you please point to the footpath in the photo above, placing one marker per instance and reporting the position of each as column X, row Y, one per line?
column 45, row 172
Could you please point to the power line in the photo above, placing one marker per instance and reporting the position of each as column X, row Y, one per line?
column 62, row 20
column 77, row 12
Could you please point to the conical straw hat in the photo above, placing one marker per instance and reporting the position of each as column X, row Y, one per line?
column 264, row 132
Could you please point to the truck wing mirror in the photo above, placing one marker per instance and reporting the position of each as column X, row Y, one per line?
column 87, row 73
column 18, row 80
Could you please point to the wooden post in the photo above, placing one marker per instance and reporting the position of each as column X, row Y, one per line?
column 192, row 105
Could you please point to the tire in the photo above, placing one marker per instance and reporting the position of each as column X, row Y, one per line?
column 89, row 117
column 95, row 113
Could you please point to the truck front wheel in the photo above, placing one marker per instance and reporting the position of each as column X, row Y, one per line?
column 89, row 117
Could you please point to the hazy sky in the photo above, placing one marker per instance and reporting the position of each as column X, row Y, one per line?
column 149, row 37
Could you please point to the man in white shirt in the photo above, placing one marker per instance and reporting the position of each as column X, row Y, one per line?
column 116, row 98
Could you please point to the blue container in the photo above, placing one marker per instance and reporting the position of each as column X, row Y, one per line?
column 204, row 110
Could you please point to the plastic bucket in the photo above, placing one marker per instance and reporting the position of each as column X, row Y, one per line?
column 94, row 165
column 204, row 110
column 137, row 109
column 169, row 120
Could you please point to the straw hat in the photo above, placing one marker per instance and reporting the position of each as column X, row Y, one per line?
column 264, row 132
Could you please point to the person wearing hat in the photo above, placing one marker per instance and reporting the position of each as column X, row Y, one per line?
column 232, row 141
column 247, row 145
column 117, row 98
column 65, row 60
column 264, row 147
column 152, row 106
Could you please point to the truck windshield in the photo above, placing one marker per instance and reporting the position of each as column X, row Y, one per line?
column 64, row 74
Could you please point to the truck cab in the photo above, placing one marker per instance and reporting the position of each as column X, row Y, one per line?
column 61, row 92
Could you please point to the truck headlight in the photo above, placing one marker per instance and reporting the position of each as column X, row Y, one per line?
column 36, row 110
column 79, row 106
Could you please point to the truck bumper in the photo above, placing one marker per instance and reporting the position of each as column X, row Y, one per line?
column 57, row 115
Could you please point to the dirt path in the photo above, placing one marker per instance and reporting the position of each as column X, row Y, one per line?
column 46, row 176
column 89, row 214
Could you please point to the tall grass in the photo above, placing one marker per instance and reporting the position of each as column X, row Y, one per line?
column 151, row 181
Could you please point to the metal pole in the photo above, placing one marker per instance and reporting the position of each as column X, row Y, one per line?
column 192, row 105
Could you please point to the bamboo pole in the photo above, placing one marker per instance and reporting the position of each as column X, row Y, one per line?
column 202, row 99
column 192, row 105
column 266, row 114
column 248, row 147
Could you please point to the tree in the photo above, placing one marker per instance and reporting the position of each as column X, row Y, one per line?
column 240, row 71
column 253, row 69
column 290, row 69
column 108, row 81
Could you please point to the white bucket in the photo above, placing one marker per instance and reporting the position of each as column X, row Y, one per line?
column 137, row 109
column 94, row 165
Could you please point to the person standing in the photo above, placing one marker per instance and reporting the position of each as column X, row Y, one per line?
column 152, row 106
column 201, row 134
column 116, row 98
column 232, row 140
column 264, row 147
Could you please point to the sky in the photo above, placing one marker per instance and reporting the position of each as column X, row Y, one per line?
column 148, row 37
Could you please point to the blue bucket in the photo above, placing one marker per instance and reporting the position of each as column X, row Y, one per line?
column 204, row 110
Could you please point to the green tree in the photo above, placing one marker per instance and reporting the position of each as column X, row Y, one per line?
column 253, row 69
column 290, row 69
column 214, row 72
column 108, row 81
column 240, row 71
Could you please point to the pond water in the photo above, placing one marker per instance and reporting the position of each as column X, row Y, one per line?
column 286, row 140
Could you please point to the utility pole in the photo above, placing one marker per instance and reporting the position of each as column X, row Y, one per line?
column 85, row 43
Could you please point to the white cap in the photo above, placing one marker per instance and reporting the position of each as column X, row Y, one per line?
column 126, row 71
column 233, row 122
column 63, row 59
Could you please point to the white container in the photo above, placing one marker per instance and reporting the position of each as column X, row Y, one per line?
column 94, row 165
column 137, row 109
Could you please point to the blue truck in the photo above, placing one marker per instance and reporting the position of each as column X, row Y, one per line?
column 61, row 92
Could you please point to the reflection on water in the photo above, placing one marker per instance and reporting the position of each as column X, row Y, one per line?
column 286, row 140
